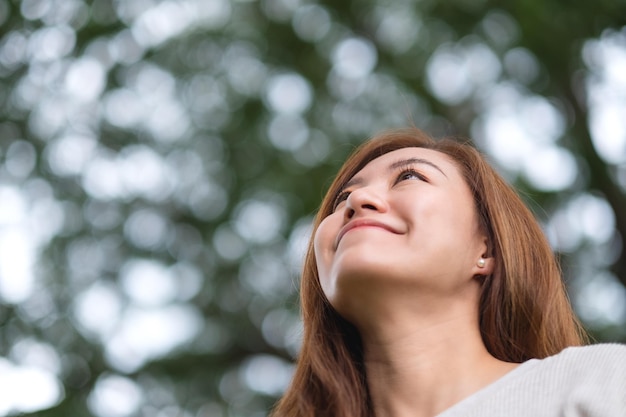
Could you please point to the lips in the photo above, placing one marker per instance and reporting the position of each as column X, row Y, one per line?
column 354, row 224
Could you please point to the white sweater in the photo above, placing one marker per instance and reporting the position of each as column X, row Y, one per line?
column 587, row 381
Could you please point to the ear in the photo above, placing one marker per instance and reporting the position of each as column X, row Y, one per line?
column 484, row 266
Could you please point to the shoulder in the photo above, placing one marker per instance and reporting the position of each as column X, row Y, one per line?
column 590, row 380
column 584, row 364
column 585, row 381
column 592, row 358
column 599, row 351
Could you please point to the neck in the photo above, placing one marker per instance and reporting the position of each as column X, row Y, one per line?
column 418, row 366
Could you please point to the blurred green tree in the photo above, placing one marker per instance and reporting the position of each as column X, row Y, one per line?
column 161, row 161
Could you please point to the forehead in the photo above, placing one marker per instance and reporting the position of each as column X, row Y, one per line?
column 440, row 160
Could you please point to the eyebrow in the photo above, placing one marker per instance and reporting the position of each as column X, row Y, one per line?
column 403, row 163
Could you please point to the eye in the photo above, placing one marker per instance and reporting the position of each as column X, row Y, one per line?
column 341, row 197
column 409, row 174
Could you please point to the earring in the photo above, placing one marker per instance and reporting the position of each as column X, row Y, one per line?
column 481, row 263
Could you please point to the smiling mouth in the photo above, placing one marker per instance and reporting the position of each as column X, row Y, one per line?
column 358, row 224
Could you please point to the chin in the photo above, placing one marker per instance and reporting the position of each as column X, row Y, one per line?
column 355, row 268
column 354, row 286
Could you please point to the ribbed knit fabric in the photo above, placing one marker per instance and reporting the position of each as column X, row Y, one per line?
column 588, row 381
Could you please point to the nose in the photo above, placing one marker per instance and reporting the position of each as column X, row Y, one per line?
column 363, row 200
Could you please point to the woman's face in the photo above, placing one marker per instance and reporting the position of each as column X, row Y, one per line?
column 405, row 222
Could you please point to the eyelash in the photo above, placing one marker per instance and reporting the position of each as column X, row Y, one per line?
column 342, row 196
column 410, row 171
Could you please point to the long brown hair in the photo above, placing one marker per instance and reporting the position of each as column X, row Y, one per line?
column 524, row 309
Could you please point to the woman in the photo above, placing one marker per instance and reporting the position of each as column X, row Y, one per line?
column 429, row 289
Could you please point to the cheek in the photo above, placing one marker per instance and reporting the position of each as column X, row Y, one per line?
column 323, row 248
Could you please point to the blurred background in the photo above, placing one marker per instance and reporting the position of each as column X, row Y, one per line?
column 161, row 161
